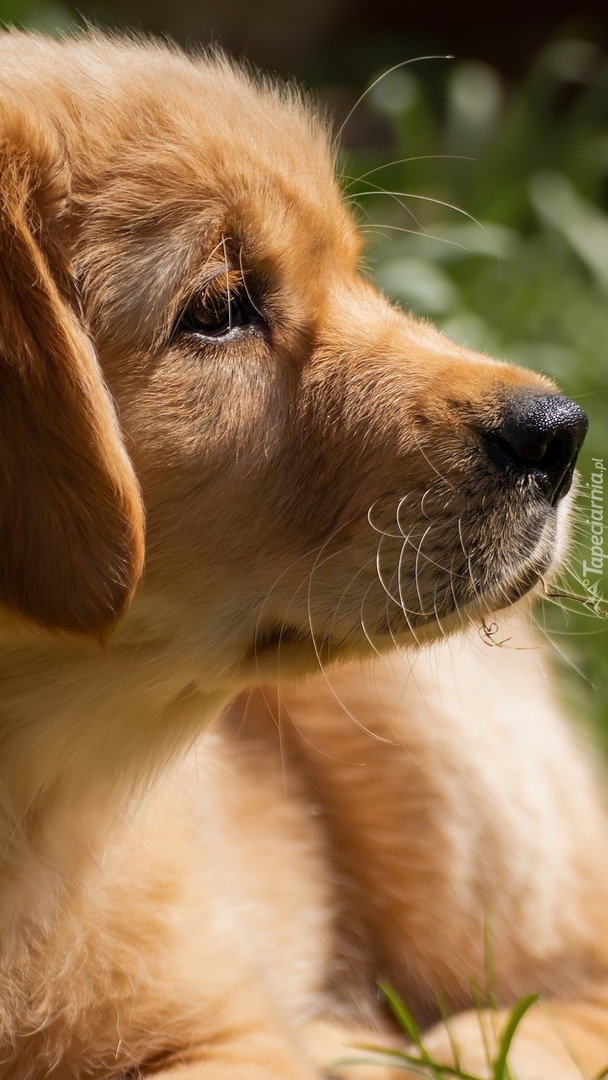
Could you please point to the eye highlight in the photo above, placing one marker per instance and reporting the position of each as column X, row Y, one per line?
column 222, row 307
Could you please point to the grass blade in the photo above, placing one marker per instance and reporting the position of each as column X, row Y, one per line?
column 405, row 1020
column 499, row 1065
column 401, row 1059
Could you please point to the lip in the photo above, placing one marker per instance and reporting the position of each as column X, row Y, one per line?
column 516, row 589
column 486, row 601
column 492, row 589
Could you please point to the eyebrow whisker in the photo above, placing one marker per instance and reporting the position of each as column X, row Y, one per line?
column 228, row 296
column 246, row 287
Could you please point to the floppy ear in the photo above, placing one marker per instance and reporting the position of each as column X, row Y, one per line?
column 71, row 519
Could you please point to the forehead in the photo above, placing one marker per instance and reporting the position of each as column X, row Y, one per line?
column 202, row 161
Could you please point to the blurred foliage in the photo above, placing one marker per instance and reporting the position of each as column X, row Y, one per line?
column 495, row 229
column 48, row 15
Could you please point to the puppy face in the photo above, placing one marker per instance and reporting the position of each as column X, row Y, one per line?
column 322, row 475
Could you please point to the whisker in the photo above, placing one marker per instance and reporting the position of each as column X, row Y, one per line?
column 394, row 195
column 564, row 656
column 427, row 199
column 319, row 657
column 368, row 90
column 363, row 626
column 227, row 284
column 468, row 560
column 405, row 161
column 245, row 285
column 382, row 532
column 382, row 581
column 416, row 565
column 561, row 594
column 421, row 450
column 413, row 232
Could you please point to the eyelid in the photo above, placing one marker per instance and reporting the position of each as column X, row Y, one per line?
column 215, row 282
column 205, row 289
column 216, row 286
column 222, row 283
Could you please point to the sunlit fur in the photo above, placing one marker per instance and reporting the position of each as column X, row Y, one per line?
column 215, row 901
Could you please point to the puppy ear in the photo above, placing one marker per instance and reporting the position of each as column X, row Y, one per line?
column 71, row 518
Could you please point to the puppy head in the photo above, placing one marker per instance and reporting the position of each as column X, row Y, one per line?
column 322, row 474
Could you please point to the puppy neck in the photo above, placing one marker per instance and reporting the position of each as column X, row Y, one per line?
column 84, row 730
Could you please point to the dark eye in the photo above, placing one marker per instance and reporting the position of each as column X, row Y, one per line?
column 216, row 315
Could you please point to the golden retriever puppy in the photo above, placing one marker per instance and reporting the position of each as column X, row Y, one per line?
column 186, row 340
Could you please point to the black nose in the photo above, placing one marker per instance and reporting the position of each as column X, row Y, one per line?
column 540, row 436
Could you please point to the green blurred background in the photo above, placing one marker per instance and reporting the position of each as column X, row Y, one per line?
column 498, row 158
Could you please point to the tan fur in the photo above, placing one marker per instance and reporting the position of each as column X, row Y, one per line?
column 216, row 901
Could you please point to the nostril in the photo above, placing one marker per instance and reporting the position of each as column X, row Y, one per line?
column 538, row 448
column 558, row 449
column 540, row 436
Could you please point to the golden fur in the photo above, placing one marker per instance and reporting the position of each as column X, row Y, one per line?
column 203, row 901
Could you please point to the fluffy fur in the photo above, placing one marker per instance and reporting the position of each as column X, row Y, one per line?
column 217, row 902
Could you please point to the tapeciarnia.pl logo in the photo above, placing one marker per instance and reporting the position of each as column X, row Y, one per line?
column 593, row 570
